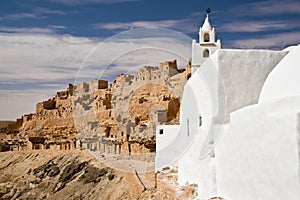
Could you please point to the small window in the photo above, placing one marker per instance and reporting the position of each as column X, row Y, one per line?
column 200, row 121
column 188, row 126
column 206, row 53
column 161, row 131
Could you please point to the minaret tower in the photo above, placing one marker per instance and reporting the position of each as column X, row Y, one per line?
column 207, row 43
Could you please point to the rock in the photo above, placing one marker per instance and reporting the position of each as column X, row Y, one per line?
column 69, row 173
column 93, row 174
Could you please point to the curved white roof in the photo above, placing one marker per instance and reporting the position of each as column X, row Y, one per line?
column 206, row 25
column 290, row 48
column 284, row 80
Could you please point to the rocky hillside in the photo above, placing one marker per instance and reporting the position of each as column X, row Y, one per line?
column 64, row 175
column 48, row 174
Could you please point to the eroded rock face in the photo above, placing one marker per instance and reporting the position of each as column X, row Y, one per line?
column 98, row 116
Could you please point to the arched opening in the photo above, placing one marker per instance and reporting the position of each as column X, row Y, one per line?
column 206, row 37
column 206, row 53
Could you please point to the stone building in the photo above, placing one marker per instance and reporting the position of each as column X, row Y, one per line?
column 124, row 115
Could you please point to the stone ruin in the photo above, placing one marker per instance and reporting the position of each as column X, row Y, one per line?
column 50, row 127
column 117, row 118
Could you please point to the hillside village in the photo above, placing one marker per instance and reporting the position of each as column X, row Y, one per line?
column 93, row 115
column 117, row 120
column 226, row 127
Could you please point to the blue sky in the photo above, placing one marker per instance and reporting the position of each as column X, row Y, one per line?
column 234, row 20
column 43, row 43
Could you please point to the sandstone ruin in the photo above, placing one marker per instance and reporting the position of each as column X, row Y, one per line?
column 117, row 118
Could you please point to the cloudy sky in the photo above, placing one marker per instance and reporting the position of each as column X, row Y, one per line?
column 46, row 44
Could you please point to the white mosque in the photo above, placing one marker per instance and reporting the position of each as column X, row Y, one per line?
column 239, row 132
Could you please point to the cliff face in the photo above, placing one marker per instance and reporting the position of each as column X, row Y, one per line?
column 116, row 118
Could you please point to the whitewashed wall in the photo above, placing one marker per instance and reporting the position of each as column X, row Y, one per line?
column 165, row 143
column 227, row 81
column 258, row 157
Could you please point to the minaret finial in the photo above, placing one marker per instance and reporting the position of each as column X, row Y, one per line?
column 208, row 10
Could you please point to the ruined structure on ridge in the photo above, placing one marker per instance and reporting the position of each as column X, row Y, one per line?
column 120, row 117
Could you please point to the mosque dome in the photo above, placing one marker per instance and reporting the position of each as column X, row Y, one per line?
column 284, row 80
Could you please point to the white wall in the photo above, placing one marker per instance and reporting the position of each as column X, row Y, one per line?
column 227, row 81
column 192, row 169
column 167, row 137
column 164, row 146
column 258, row 157
column 195, row 103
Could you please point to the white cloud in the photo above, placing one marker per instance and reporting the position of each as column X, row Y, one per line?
column 33, row 55
column 264, row 8
column 46, row 11
column 272, row 7
column 186, row 25
column 272, row 41
column 18, row 16
column 37, row 13
column 257, row 26
column 56, row 27
column 32, row 62
column 259, row 16
column 27, row 30
column 139, row 24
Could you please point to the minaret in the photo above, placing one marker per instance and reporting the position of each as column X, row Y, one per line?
column 207, row 44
